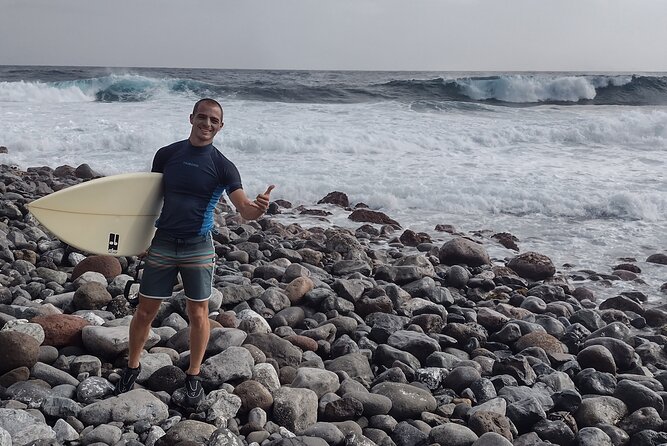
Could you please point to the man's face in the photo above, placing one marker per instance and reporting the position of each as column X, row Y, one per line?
column 206, row 123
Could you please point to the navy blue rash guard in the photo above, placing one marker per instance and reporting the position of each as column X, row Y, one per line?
column 194, row 180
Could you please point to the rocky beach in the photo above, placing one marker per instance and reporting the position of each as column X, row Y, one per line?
column 323, row 335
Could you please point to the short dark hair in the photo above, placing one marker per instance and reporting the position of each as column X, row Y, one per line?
column 208, row 101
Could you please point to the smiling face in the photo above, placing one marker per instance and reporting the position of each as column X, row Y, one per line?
column 206, row 123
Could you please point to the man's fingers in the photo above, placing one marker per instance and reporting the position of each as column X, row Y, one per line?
column 269, row 189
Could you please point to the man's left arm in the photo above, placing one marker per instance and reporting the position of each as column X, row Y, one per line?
column 251, row 210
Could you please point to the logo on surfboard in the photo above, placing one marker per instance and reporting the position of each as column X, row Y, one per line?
column 113, row 242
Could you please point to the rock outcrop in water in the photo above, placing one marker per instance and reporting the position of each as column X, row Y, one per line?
column 325, row 336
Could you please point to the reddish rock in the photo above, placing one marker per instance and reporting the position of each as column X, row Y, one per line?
column 303, row 342
column 17, row 350
column 368, row 216
column 337, row 198
column 253, row 394
column 532, row 265
column 61, row 330
column 17, row 375
column 227, row 319
column 108, row 266
column 298, row 288
column 412, row 238
column 463, row 251
column 545, row 341
column 507, row 240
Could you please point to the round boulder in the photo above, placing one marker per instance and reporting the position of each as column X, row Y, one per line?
column 91, row 296
column 17, row 350
column 108, row 266
column 463, row 251
column 532, row 265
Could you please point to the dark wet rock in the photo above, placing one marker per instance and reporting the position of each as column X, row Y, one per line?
column 658, row 258
column 167, row 378
column 463, row 251
column 356, row 365
column 636, row 396
column 417, row 343
column 622, row 352
column 517, row 367
column 525, row 413
column 368, row 216
column 597, row 357
column 622, row 303
column 532, row 265
column 645, row 418
column 460, row 378
column 590, row 381
column 557, row 432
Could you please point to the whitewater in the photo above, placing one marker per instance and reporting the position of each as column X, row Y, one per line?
column 572, row 164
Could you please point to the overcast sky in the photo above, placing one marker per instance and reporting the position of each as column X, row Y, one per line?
column 475, row 35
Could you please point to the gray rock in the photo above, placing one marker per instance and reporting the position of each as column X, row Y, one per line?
column 296, row 409
column 601, row 409
column 327, row 431
column 221, row 405
column 86, row 364
column 492, row 439
column 460, row 378
column 23, row 427
column 52, row 375
column 59, row 407
column 93, row 388
column 224, row 437
column 50, row 275
column 105, row 433
column 192, row 431
column 452, row 434
column 408, row 402
column 128, row 407
column 266, row 375
column 233, row 363
column 592, row 436
column 317, row 380
column 525, row 413
column 419, row 344
column 646, row 418
column 283, row 351
column 356, row 365
column 22, row 326
column 110, row 342
column 65, row 432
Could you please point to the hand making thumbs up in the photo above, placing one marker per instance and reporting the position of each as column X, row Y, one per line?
column 262, row 200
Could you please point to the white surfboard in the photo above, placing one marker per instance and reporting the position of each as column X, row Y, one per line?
column 114, row 215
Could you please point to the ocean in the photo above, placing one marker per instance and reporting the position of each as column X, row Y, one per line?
column 572, row 164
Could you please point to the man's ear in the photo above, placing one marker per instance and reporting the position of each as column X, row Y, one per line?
column 192, row 119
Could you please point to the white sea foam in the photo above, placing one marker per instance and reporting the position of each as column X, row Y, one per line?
column 584, row 184
column 523, row 88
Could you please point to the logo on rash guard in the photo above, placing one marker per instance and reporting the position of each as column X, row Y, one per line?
column 187, row 163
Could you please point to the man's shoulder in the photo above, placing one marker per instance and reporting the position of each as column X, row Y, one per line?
column 218, row 156
column 173, row 146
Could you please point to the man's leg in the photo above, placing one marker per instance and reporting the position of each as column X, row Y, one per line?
column 199, row 333
column 140, row 328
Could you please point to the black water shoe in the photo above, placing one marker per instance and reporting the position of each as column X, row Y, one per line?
column 194, row 392
column 127, row 379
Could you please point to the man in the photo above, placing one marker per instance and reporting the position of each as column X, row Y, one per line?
column 195, row 176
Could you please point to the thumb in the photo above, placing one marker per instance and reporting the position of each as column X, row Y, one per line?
column 269, row 189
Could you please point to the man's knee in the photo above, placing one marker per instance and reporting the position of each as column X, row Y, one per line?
column 198, row 313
